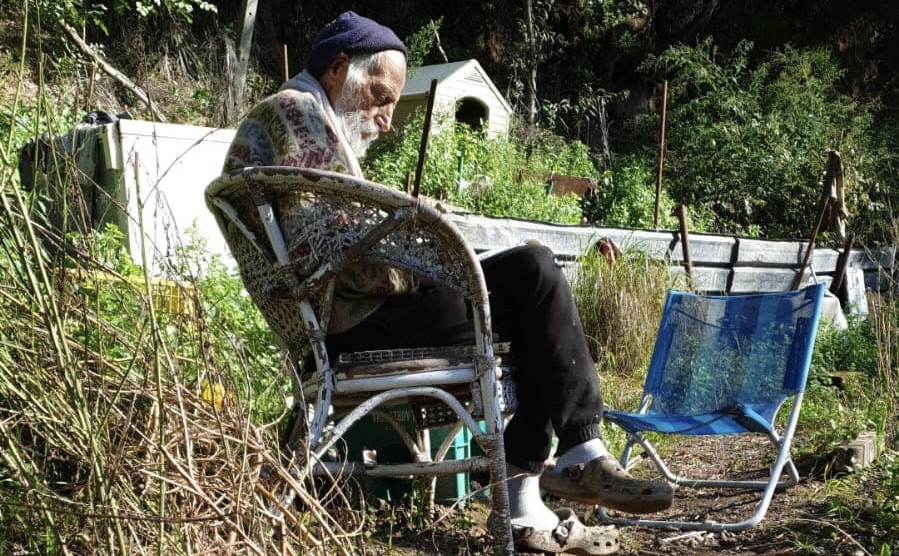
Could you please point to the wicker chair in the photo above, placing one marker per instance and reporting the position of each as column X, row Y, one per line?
column 292, row 231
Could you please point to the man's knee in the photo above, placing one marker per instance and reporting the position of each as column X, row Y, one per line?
column 534, row 261
column 539, row 260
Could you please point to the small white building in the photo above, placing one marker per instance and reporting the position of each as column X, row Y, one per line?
column 463, row 89
column 147, row 178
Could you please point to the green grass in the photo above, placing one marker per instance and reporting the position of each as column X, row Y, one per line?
column 620, row 306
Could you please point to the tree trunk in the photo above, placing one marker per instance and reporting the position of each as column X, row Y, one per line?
column 530, row 91
column 234, row 103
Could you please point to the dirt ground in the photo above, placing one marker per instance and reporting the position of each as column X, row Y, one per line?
column 798, row 520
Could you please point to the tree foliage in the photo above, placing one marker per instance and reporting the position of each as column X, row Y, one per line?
column 747, row 143
column 80, row 13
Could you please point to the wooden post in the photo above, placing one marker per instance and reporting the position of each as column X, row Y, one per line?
column 822, row 209
column 823, row 201
column 840, row 273
column 530, row 91
column 285, row 70
column 655, row 222
column 424, row 138
column 685, row 243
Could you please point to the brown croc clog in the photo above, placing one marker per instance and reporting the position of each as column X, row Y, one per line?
column 570, row 536
column 603, row 482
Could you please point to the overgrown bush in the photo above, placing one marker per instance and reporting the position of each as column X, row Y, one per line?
column 866, row 502
column 747, row 142
column 139, row 412
column 498, row 177
column 626, row 198
column 840, row 400
column 130, row 395
column 852, row 384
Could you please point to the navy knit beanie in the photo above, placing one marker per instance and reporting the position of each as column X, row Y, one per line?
column 350, row 33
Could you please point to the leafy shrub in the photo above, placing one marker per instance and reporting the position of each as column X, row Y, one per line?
column 198, row 298
column 868, row 499
column 843, row 397
column 527, row 201
column 626, row 198
column 852, row 350
column 498, row 177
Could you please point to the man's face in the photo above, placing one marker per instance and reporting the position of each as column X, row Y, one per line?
column 365, row 100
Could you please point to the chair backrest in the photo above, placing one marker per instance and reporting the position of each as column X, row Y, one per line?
column 713, row 353
column 292, row 231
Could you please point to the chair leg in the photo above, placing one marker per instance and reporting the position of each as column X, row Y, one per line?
column 297, row 428
column 501, row 524
column 782, row 465
column 493, row 445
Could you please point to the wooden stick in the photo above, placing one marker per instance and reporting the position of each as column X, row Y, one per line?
column 424, row 138
column 822, row 211
column 840, row 274
column 114, row 73
column 655, row 221
column 685, row 243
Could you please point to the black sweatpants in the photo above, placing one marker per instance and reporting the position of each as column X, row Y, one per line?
column 531, row 306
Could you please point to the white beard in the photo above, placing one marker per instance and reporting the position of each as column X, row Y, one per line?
column 358, row 133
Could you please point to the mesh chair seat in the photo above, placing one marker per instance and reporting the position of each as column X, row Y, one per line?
column 735, row 420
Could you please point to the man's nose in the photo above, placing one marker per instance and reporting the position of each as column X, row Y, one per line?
column 384, row 117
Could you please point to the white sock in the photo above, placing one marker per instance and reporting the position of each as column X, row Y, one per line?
column 526, row 506
column 582, row 453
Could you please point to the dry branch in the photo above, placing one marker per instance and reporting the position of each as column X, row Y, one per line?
column 114, row 73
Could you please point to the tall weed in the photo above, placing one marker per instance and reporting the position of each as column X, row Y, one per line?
column 620, row 305
column 139, row 412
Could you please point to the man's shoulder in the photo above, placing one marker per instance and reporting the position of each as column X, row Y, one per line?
column 287, row 128
column 287, row 97
column 288, row 109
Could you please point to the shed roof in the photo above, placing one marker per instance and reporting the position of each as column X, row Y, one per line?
column 419, row 83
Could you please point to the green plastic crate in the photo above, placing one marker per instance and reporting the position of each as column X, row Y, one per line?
column 372, row 433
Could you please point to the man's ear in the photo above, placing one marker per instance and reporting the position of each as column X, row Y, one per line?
column 338, row 64
column 334, row 76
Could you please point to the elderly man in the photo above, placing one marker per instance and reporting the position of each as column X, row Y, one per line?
column 326, row 117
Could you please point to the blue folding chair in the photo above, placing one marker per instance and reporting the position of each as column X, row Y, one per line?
column 724, row 365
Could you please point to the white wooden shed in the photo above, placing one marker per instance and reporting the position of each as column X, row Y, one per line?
column 463, row 89
column 147, row 178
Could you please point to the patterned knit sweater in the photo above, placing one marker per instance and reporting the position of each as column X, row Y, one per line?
column 297, row 127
